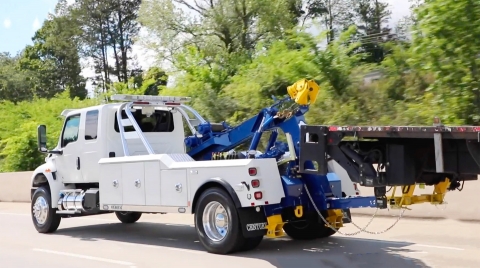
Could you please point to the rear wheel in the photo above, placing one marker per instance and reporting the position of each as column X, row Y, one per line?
column 251, row 243
column 44, row 217
column 217, row 222
column 310, row 228
column 128, row 217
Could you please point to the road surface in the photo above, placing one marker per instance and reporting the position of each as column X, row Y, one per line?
column 170, row 241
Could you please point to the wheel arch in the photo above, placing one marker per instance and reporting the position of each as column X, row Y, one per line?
column 216, row 182
column 45, row 175
column 38, row 179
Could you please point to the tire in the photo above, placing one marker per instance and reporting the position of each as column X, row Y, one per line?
column 309, row 229
column 44, row 217
column 216, row 202
column 128, row 217
column 251, row 243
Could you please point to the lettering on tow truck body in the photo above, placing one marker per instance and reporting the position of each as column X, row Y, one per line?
column 246, row 185
column 112, row 207
column 256, row 226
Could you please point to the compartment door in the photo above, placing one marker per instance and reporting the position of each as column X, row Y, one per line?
column 133, row 178
column 173, row 188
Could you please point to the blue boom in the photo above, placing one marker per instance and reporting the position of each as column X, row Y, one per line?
column 287, row 115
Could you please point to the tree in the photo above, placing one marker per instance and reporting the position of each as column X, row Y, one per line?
column 14, row 83
column 335, row 15
column 158, row 78
column 446, row 44
column 234, row 26
column 53, row 59
column 371, row 18
column 108, row 26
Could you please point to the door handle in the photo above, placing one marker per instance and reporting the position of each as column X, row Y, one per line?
column 78, row 163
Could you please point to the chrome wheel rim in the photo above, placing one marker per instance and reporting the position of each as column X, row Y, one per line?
column 215, row 221
column 40, row 210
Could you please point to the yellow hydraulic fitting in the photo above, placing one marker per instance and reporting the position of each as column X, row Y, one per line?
column 304, row 91
column 275, row 226
column 298, row 211
column 335, row 218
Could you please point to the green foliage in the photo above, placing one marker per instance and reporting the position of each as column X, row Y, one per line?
column 18, row 128
column 446, row 44
column 54, row 60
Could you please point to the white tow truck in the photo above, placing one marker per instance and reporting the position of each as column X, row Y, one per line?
column 129, row 157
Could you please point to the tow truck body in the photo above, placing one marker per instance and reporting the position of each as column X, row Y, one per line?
column 132, row 157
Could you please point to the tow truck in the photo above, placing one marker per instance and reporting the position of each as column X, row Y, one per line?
column 131, row 156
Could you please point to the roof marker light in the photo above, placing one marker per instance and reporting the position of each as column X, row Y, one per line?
column 171, row 100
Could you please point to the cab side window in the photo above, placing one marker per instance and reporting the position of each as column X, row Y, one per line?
column 70, row 131
column 91, row 125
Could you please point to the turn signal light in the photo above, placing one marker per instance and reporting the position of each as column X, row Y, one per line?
column 258, row 195
column 252, row 171
column 255, row 183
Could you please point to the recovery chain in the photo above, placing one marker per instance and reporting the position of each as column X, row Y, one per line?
column 360, row 229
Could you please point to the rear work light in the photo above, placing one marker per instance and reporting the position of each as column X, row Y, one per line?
column 255, row 183
column 252, row 171
column 258, row 195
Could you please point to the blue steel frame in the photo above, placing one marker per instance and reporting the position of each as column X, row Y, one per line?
column 320, row 187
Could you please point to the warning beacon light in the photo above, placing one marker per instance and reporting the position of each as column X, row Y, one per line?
column 148, row 99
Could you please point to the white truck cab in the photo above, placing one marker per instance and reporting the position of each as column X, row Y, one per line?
column 92, row 133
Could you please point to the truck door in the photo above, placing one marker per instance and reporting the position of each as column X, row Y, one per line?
column 92, row 147
column 68, row 164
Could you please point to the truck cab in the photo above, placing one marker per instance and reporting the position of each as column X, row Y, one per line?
column 92, row 133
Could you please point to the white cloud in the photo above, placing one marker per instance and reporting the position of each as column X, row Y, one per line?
column 7, row 23
column 36, row 24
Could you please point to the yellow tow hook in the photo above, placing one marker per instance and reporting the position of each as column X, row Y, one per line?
column 299, row 211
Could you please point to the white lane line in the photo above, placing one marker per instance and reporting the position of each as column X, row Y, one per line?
column 86, row 257
column 180, row 225
column 13, row 214
column 77, row 218
column 166, row 248
column 441, row 247
column 406, row 244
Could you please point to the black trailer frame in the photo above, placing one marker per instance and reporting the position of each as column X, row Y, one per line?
column 403, row 155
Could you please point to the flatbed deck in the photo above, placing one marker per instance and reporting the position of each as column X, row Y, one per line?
column 402, row 155
column 417, row 132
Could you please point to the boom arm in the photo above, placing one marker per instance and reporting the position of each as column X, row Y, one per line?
column 287, row 111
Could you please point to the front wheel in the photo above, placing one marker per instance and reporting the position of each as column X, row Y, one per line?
column 128, row 217
column 44, row 217
column 217, row 222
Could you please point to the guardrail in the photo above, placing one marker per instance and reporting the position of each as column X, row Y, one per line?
column 15, row 187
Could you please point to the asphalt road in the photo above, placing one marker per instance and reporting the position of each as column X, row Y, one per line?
column 170, row 241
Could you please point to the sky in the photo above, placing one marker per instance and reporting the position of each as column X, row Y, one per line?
column 19, row 19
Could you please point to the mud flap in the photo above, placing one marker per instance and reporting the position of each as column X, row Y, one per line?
column 253, row 223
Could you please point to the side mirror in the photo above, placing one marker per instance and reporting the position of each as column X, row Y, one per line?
column 42, row 138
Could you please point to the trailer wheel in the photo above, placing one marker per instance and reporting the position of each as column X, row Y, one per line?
column 128, row 217
column 309, row 229
column 44, row 217
column 217, row 222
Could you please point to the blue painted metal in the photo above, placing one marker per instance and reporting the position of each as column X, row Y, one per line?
column 325, row 190
column 352, row 202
